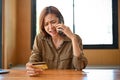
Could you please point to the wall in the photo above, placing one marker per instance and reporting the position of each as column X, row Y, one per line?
column 23, row 31
column 9, row 32
column 21, row 35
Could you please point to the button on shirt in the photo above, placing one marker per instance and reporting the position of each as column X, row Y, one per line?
column 61, row 58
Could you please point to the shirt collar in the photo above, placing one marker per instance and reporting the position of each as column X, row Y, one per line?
column 49, row 39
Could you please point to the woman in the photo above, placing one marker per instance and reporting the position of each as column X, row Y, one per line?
column 56, row 44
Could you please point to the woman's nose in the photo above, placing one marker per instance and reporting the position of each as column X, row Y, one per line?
column 51, row 25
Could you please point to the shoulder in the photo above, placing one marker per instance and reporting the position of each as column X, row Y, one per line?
column 40, row 37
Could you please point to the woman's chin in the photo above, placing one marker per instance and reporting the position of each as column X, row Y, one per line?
column 53, row 35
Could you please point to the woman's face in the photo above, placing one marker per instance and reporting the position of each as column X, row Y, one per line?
column 50, row 23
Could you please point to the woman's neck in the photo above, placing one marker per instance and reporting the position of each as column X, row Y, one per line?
column 58, row 40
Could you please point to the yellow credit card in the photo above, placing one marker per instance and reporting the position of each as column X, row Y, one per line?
column 41, row 65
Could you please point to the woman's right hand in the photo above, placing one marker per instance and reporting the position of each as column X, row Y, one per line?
column 32, row 71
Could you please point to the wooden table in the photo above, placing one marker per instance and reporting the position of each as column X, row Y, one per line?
column 86, row 74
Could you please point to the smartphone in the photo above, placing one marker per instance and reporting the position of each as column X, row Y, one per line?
column 60, row 29
column 3, row 71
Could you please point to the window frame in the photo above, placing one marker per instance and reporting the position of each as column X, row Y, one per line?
column 101, row 46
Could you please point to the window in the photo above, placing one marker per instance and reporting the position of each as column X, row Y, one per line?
column 96, row 21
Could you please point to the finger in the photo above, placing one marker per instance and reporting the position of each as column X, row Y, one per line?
column 30, row 72
column 29, row 69
column 34, row 72
column 60, row 26
column 29, row 65
column 38, row 70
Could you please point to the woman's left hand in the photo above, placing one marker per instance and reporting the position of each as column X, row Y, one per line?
column 66, row 30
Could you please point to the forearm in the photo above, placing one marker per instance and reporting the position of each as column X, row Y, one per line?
column 80, row 63
column 76, row 48
column 35, row 57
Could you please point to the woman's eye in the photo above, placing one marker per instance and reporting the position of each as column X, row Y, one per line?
column 45, row 24
column 53, row 22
